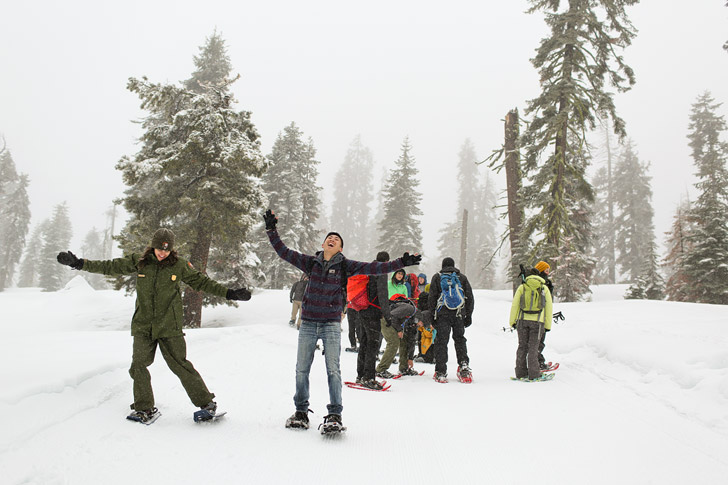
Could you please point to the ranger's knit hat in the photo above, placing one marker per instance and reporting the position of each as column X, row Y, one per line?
column 542, row 266
column 448, row 263
column 163, row 239
column 332, row 233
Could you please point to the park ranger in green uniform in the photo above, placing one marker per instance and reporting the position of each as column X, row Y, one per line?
column 157, row 319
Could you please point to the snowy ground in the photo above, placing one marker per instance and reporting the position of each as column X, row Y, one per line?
column 641, row 397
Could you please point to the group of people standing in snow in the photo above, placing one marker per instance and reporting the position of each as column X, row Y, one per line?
column 400, row 309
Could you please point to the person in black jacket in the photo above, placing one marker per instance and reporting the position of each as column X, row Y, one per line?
column 447, row 319
column 296, row 297
column 369, row 327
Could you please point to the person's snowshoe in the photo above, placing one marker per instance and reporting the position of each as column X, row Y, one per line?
column 464, row 373
column 299, row 420
column 208, row 413
column 385, row 374
column 410, row 372
column 372, row 384
column 440, row 377
column 332, row 424
column 148, row 416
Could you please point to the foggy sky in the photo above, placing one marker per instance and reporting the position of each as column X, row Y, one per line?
column 382, row 70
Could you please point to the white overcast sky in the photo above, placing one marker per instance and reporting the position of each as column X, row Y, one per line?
column 438, row 72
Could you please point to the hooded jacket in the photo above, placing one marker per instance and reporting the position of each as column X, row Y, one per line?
column 396, row 287
column 532, row 284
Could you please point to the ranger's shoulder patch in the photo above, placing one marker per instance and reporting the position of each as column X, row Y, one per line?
column 190, row 265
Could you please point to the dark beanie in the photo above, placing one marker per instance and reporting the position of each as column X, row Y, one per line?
column 448, row 263
column 332, row 233
column 382, row 256
column 163, row 239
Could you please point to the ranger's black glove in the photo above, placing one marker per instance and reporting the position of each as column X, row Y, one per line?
column 239, row 294
column 468, row 321
column 411, row 259
column 270, row 220
column 70, row 259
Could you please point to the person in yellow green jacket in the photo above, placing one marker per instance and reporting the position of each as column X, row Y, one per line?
column 157, row 319
column 531, row 314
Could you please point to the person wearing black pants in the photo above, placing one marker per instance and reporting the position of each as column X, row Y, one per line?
column 369, row 322
column 353, row 330
column 447, row 320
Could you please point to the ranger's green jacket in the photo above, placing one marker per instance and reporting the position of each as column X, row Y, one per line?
column 158, row 312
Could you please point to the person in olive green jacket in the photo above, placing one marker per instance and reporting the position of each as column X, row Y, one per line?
column 531, row 314
column 157, row 319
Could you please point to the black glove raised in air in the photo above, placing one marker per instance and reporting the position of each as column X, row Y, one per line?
column 411, row 259
column 70, row 259
column 270, row 220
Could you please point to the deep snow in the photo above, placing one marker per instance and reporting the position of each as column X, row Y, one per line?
column 641, row 397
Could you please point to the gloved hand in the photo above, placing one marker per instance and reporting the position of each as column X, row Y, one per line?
column 468, row 321
column 70, row 259
column 270, row 220
column 411, row 259
column 239, row 294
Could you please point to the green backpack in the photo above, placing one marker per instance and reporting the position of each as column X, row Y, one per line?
column 532, row 300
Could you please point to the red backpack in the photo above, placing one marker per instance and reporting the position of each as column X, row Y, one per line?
column 356, row 291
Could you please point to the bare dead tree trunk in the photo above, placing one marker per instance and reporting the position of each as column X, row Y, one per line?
column 192, row 300
column 513, row 187
column 464, row 243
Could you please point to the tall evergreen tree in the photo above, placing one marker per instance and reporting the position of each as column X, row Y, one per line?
column 197, row 172
column 450, row 242
column 290, row 183
column 706, row 263
column 400, row 229
column 14, row 217
column 635, row 230
column 574, row 64
column 31, row 259
column 679, row 245
column 56, row 238
column 353, row 189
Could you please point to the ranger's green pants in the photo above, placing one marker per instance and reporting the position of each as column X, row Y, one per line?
column 174, row 351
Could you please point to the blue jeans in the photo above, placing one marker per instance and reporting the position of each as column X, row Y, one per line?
column 308, row 336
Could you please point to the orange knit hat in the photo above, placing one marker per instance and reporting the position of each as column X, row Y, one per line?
column 542, row 266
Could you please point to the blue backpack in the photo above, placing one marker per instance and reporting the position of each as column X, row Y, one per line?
column 452, row 296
